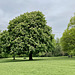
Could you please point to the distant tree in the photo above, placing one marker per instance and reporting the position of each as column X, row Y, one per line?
column 57, row 51
column 68, row 38
column 4, row 43
column 68, row 41
column 29, row 33
column 54, row 45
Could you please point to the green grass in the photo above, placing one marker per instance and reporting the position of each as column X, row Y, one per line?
column 39, row 66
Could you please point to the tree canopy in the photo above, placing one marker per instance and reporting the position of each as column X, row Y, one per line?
column 28, row 33
column 71, row 23
column 68, row 38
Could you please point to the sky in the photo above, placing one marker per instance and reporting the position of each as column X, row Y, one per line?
column 57, row 12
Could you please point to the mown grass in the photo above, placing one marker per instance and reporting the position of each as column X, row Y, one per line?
column 39, row 66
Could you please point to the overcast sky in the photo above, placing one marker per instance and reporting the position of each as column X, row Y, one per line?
column 57, row 12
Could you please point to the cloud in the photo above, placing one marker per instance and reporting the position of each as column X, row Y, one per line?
column 1, row 12
column 57, row 13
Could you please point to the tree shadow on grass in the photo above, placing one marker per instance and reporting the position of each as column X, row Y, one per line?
column 6, row 60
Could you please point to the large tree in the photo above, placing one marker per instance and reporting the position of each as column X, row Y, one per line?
column 29, row 33
column 68, row 38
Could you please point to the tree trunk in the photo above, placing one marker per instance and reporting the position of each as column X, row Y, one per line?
column 30, row 55
column 68, row 56
column 71, row 56
column 13, row 56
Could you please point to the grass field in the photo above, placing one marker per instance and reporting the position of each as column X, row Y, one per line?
column 39, row 66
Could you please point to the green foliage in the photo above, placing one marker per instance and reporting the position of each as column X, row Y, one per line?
column 58, row 50
column 27, row 32
column 68, row 38
column 68, row 41
column 57, row 47
column 71, row 23
column 4, row 43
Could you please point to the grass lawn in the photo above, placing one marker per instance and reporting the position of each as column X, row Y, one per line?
column 39, row 66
